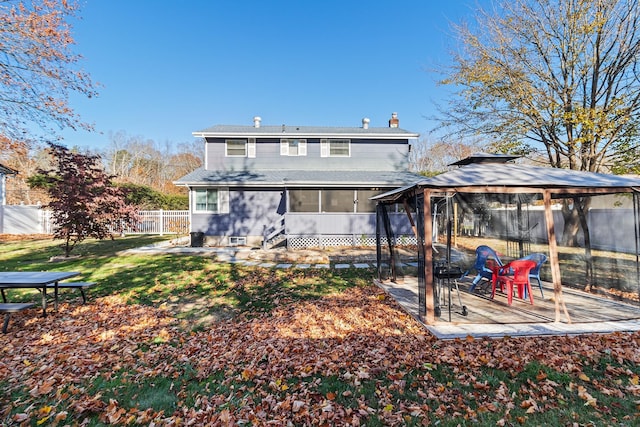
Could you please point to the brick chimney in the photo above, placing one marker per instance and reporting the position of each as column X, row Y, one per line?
column 393, row 121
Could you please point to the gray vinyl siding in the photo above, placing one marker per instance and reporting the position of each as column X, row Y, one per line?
column 249, row 212
column 339, row 223
column 379, row 155
column 296, row 224
column 333, row 223
column 373, row 162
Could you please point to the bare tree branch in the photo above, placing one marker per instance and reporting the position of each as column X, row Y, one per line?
column 39, row 69
column 559, row 75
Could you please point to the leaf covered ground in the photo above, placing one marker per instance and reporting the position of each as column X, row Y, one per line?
column 351, row 357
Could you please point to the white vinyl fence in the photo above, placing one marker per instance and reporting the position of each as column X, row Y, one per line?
column 161, row 222
column 151, row 222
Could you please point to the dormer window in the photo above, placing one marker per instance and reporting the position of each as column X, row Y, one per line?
column 293, row 147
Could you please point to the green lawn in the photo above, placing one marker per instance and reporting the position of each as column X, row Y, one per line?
column 176, row 339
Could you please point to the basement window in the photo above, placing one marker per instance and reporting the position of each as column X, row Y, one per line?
column 237, row 241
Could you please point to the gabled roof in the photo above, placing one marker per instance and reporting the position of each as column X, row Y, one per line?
column 284, row 131
column 514, row 175
column 509, row 178
column 297, row 178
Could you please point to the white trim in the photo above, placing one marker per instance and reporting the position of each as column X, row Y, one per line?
column 206, row 155
column 299, row 184
column 307, row 135
column 355, row 200
column 251, row 148
column 190, row 205
column 223, row 200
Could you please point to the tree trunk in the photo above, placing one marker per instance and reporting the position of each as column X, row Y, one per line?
column 583, row 206
column 571, row 228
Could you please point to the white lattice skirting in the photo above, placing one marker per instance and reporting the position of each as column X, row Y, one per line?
column 322, row 241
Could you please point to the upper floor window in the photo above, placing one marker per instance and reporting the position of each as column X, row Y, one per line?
column 293, row 147
column 335, row 148
column 236, row 147
column 240, row 147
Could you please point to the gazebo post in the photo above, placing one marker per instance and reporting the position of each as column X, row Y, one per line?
column 428, row 259
column 553, row 257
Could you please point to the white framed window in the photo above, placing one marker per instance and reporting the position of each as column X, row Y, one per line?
column 240, row 148
column 293, row 147
column 335, row 148
column 236, row 147
column 211, row 200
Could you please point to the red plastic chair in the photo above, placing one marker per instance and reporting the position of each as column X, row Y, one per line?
column 515, row 275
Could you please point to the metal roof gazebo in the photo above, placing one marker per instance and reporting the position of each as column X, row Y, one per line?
column 490, row 175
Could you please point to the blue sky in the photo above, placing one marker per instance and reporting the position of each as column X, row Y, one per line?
column 169, row 68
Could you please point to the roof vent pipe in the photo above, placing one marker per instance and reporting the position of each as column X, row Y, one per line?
column 256, row 121
column 365, row 123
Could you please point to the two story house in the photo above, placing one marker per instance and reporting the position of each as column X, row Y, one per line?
column 300, row 185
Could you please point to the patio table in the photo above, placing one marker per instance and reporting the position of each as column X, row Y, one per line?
column 35, row 280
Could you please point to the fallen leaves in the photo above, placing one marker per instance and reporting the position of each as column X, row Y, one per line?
column 344, row 359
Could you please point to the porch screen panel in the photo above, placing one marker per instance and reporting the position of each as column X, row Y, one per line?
column 364, row 204
column 337, row 200
column 304, row 201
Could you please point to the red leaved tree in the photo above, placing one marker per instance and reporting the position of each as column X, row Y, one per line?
column 84, row 201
